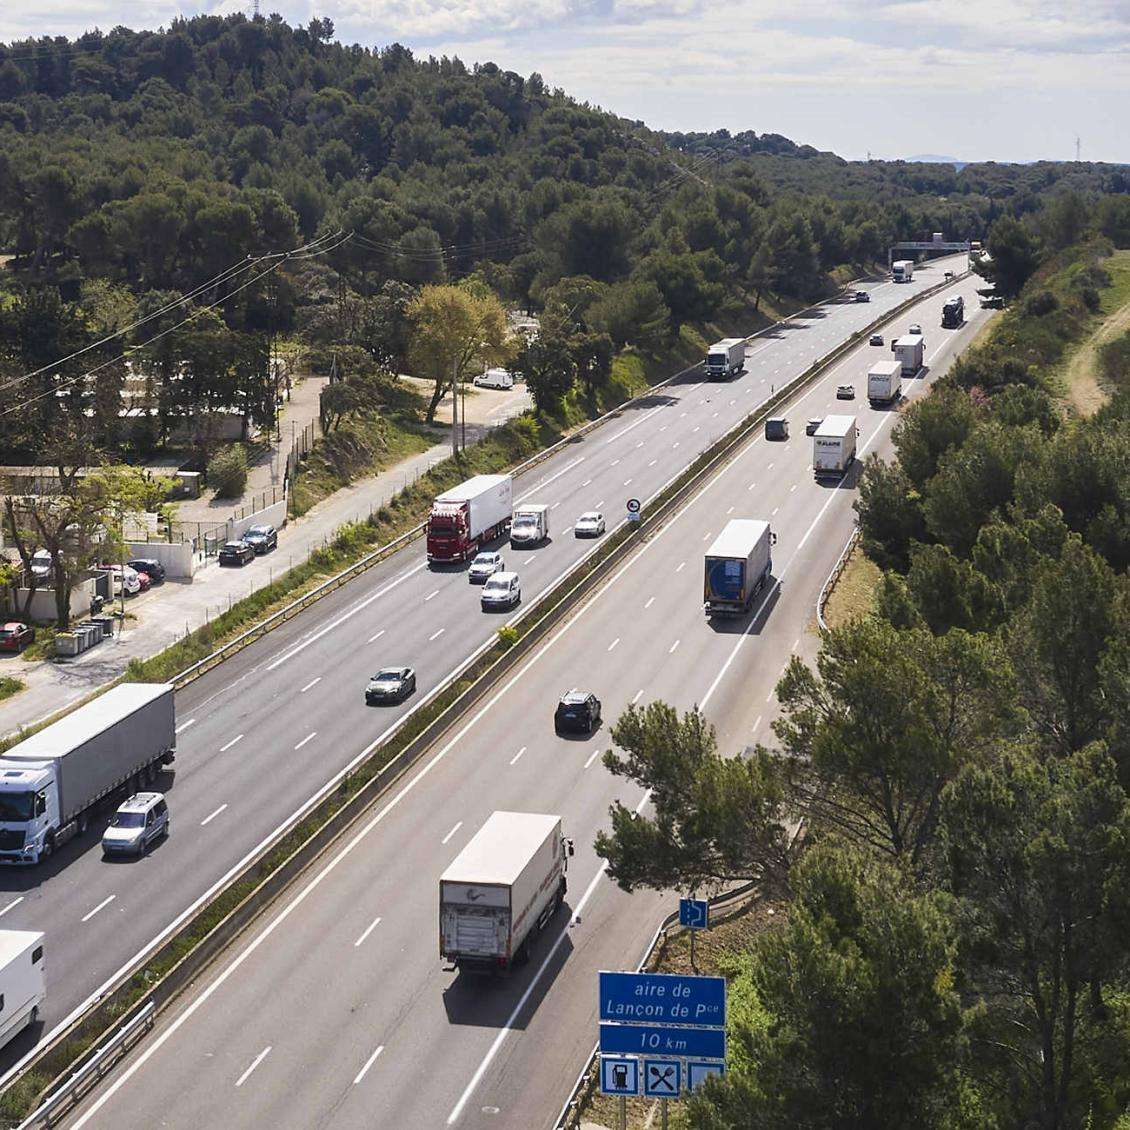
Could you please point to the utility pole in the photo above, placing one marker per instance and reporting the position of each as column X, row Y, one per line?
column 1078, row 148
column 454, row 406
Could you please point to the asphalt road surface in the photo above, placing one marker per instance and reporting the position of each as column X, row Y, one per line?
column 336, row 1010
column 267, row 733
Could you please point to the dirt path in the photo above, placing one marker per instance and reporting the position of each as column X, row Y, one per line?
column 1085, row 393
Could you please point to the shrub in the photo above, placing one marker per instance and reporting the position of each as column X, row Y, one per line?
column 227, row 472
column 1041, row 303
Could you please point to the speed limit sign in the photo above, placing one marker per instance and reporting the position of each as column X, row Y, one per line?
column 633, row 509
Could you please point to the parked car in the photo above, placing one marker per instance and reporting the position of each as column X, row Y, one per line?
column 589, row 525
column 390, row 684
column 123, row 578
column 845, row 392
column 236, row 553
column 577, row 712
column 41, row 565
column 144, row 581
column 137, row 823
column 15, row 636
column 503, row 590
column 812, row 425
column 876, row 339
column 484, row 566
column 776, row 427
column 494, row 378
column 862, row 296
column 150, row 566
column 262, row 538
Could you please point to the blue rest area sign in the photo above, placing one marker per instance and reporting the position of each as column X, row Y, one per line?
column 656, row 1040
column 663, row 999
column 694, row 914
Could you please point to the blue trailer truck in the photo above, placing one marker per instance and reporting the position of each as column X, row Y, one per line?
column 737, row 567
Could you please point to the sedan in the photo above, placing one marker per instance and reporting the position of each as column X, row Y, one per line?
column 503, row 590
column 876, row 339
column 124, row 579
column 845, row 392
column 589, row 525
column 813, row 425
column 262, row 538
column 484, row 567
column 577, row 712
column 915, row 328
column 862, row 296
column 15, row 636
column 236, row 553
column 390, row 684
column 150, row 566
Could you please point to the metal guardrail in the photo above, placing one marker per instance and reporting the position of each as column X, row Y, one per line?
column 65, row 1096
column 833, row 577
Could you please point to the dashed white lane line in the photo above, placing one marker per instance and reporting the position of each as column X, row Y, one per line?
column 731, row 510
column 682, row 566
column 12, row 905
column 650, row 602
column 613, row 643
column 552, row 478
column 769, row 696
column 706, row 536
column 430, row 595
column 593, row 756
column 367, row 931
column 309, row 738
column 638, row 695
column 770, row 467
column 664, row 428
column 212, row 815
column 674, row 445
column 640, row 444
column 452, row 832
column 586, row 482
column 435, row 635
column 757, row 724
column 653, row 462
column 311, row 683
column 751, row 486
column 254, row 1064
column 696, row 428
column 599, row 503
column 369, row 1062
column 514, row 759
column 627, row 482
column 237, row 738
column 792, row 488
column 774, row 514
column 614, row 462
column 671, row 649
column 104, row 903
column 796, row 644
column 184, row 725
column 374, row 638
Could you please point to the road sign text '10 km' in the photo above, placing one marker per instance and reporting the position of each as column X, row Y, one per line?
column 663, row 998
column 651, row 1039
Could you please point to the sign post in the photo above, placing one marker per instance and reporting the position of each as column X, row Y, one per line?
column 633, row 509
column 694, row 915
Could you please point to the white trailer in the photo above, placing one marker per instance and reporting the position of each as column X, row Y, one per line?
column 468, row 515
column 833, row 445
column 501, row 890
column 902, row 270
column 23, row 987
column 530, row 524
column 725, row 358
column 910, row 352
column 884, row 382
column 737, row 565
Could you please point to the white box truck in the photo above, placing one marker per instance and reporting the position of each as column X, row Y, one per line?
column 501, row 890
column 22, row 984
column 737, row 566
column 469, row 515
column 530, row 524
column 884, row 382
column 909, row 352
column 833, row 445
column 725, row 358
column 902, row 270
column 50, row 781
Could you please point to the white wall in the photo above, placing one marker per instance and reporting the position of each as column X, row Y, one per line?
column 178, row 558
column 43, row 602
column 271, row 516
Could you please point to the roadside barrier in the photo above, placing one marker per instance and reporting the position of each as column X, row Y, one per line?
column 833, row 577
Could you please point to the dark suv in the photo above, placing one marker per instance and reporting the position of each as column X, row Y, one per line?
column 578, row 712
column 150, row 566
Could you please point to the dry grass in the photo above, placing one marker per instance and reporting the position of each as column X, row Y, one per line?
column 854, row 592
column 1085, row 393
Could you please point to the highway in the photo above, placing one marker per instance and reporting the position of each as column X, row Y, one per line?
column 335, row 1009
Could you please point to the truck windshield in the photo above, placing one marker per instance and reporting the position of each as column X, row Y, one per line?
column 525, row 520
column 445, row 522
column 17, row 806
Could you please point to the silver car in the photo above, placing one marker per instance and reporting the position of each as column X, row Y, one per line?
column 589, row 525
column 137, row 823
column 484, row 567
column 503, row 590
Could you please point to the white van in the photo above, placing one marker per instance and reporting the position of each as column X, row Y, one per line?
column 22, row 984
column 494, row 378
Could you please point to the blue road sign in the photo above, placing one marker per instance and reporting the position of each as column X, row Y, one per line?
column 619, row 1075
column 662, row 1078
column 652, row 1039
column 694, row 913
column 699, row 1071
column 663, row 998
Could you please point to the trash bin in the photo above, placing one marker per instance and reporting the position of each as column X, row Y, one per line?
column 97, row 629
column 66, row 643
column 107, row 624
column 88, row 635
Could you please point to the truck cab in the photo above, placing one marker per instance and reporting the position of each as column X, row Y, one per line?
column 530, row 525
column 29, row 809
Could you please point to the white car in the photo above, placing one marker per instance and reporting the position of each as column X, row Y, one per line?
column 503, row 590
column 42, row 566
column 122, row 577
column 589, row 525
column 494, row 378
column 845, row 392
column 484, row 566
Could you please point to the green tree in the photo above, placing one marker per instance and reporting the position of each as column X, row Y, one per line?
column 1014, row 254
column 890, row 514
column 547, row 365
column 930, row 428
column 634, row 313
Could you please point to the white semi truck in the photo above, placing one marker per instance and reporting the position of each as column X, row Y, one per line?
column 725, row 358
column 833, row 445
column 902, row 270
column 737, row 566
column 910, row 352
column 530, row 524
column 22, row 984
column 50, row 781
column 501, row 890
column 884, row 382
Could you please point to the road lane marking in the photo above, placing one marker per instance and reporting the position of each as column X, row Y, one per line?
column 586, row 482
column 706, row 536
column 682, row 566
column 674, row 445
column 254, row 1064
column 757, row 724
column 514, row 759
column 12, row 905
column 309, row 738
column 237, row 738
column 599, row 503
column 452, row 832
column 627, row 482
column 751, row 486
column 555, row 506
column 369, row 1062
column 592, row 757
column 184, row 725
column 367, row 931
column 637, row 697
column 774, row 514
column 430, row 595
column 769, row 696
column 614, row 462
column 792, row 488
column 212, row 815
column 613, row 643
column 105, row 902
column 373, row 639
column 671, row 649
column 640, row 444
column 653, row 462
column 796, row 644
column 553, row 478
column 435, row 635
column 650, row 602
column 312, row 683
column 636, row 424
column 731, row 510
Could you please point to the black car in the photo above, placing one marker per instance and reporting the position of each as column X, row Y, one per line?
column 262, row 538
column 578, row 712
column 390, row 684
column 150, row 566
column 236, row 553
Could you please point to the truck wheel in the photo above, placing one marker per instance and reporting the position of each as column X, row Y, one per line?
column 48, row 847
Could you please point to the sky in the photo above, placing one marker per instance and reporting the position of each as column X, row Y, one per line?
column 1006, row 80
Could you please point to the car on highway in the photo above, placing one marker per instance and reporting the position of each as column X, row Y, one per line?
column 578, row 712
column 503, row 590
column 915, row 328
column 236, row 553
column 262, row 538
column 150, row 566
column 876, row 339
column 948, row 275
column 862, row 296
column 14, row 636
column 137, row 823
column 390, row 684
column 813, row 424
column 484, row 566
column 845, row 392
column 589, row 525
column 776, row 427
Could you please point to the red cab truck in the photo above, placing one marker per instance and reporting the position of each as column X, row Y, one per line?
column 468, row 516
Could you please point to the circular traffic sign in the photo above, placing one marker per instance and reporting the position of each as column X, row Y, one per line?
column 633, row 505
